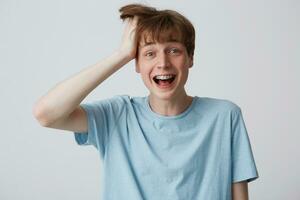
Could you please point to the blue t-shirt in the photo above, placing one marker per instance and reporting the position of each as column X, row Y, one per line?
column 195, row 155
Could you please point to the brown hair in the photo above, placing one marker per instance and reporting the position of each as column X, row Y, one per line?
column 160, row 25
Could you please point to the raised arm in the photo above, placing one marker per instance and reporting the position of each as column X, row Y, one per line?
column 59, row 107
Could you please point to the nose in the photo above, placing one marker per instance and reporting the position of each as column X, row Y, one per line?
column 163, row 60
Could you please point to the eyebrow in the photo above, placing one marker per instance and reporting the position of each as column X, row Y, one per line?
column 151, row 43
column 146, row 44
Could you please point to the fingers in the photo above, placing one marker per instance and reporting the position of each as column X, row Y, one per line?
column 135, row 20
column 132, row 20
column 128, row 43
column 130, row 24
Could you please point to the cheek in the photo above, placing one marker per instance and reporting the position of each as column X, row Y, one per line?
column 144, row 67
column 145, row 72
column 186, row 64
column 146, row 75
column 181, row 62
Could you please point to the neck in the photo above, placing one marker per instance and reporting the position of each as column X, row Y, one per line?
column 170, row 107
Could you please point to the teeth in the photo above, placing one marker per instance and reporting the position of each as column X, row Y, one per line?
column 164, row 77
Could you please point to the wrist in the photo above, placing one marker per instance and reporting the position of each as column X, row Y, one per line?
column 121, row 57
column 125, row 54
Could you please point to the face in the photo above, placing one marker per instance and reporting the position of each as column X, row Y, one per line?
column 169, row 58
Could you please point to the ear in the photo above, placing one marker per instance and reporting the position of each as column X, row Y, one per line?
column 191, row 62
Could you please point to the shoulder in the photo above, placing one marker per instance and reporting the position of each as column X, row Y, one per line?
column 125, row 102
column 114, row 100
column 218, row 105
column 115, row 103
column 118, row 101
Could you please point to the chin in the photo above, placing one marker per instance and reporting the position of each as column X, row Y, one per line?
column 164, row 94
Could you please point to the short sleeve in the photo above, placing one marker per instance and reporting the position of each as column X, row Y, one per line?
column 102, row 117
column 243, row 163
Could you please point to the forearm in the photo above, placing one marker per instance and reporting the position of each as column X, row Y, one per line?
column 240, row 191
column 61, row 100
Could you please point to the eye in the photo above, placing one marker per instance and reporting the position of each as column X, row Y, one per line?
column 174, row 50
column 149, row 54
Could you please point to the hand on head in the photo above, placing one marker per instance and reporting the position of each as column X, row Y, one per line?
column 128, row 44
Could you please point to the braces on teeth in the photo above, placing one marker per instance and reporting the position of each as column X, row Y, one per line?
column 164, row 77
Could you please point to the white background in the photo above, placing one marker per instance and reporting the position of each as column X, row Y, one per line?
column 246, row 52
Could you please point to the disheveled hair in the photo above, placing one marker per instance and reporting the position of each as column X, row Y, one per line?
column 160, row 26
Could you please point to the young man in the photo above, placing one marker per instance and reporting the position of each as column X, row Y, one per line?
column 167, row 145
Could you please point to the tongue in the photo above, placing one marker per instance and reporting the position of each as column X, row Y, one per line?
column 164, row 83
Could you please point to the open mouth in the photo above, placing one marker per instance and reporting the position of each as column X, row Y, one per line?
column 164, row 80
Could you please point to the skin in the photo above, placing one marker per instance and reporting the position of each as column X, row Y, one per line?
column 171, row 58
column 165, row 58
column 59, row 107
column 240, row 191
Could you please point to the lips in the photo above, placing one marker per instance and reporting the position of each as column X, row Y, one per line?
column 164, row 77
column 164, row 81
